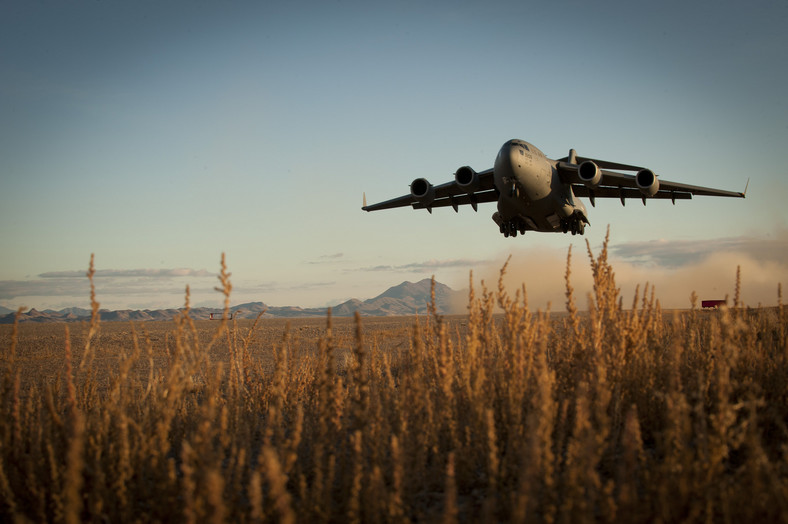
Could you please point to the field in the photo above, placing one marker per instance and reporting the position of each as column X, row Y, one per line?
column 620, row 414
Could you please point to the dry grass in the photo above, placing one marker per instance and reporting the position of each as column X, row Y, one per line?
column 614, row 415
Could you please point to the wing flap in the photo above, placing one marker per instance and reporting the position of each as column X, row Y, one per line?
column 402, row 201
column 447, row 194
column 614, row 180
column 697, row 190
column 626, row 193
column 461, row 200
column 611, row 178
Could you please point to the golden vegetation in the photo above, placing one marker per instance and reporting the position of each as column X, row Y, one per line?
column 614, row 415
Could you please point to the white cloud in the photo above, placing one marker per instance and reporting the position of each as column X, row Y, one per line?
column 132, row 273
column 112, row 284
column 678, row 253
column 328, row 259
column 426, row 266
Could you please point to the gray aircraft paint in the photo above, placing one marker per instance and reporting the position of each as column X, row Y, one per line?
column 537, row 193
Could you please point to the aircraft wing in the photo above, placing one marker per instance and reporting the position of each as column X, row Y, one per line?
column 621, row 185
column 447, row 194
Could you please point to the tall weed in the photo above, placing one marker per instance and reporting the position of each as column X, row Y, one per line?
column 611, row 415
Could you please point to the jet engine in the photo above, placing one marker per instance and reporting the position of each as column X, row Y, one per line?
column 422, row 191
column 467, row 179
column 589, row 174
column 647, row 182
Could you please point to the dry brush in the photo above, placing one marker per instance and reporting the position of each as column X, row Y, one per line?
column 618, row 414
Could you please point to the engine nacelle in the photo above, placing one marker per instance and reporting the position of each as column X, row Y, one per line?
column 647, row 182
column 467, row 179
column 589, row 173
column 422, row 191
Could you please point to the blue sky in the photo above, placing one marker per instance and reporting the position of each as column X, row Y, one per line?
column 160, row 135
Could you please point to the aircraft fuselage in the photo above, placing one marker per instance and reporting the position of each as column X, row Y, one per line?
column 537, row 193
column 532, row 196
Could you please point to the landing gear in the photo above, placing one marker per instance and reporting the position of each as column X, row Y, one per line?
column 512, row 227
column 575, row 224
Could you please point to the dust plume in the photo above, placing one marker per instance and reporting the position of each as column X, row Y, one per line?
column 674, row 268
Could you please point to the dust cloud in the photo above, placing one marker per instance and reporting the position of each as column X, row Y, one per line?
column 711, row 272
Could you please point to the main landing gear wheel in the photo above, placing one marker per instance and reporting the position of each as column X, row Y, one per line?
column 512, row 227
column 577, row 227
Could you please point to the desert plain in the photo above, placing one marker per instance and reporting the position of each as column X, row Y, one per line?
column 621, row 413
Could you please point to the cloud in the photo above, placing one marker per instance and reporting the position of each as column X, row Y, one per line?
column 679, row 253
column 372, row 268
column 132, row 273
column 323, row 259
column 674, row 268
column 71, row 287
column 111, row 281
column 428, row 265
column 270, row 287
column 10, row 289
column 713, row 277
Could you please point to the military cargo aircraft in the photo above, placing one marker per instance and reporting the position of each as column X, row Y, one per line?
column 536, row 193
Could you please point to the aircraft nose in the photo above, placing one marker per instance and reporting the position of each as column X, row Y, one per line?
column 515, row 155
column 505, row 160
column 511, row 154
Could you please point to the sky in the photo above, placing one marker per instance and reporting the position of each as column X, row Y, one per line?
column 159, row 135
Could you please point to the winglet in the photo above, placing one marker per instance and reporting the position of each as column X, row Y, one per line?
column 744, row 195
column 365, row 198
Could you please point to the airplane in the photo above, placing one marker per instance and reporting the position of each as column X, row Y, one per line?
column 536, row 193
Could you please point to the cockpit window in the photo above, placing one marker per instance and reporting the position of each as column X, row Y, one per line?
column 522, row 145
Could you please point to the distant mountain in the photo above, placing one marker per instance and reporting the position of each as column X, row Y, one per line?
column 5, row 310
column 77, row 311
column 404, row 299
column 347, row 309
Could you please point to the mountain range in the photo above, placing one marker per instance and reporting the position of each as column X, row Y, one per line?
column 407, row 298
